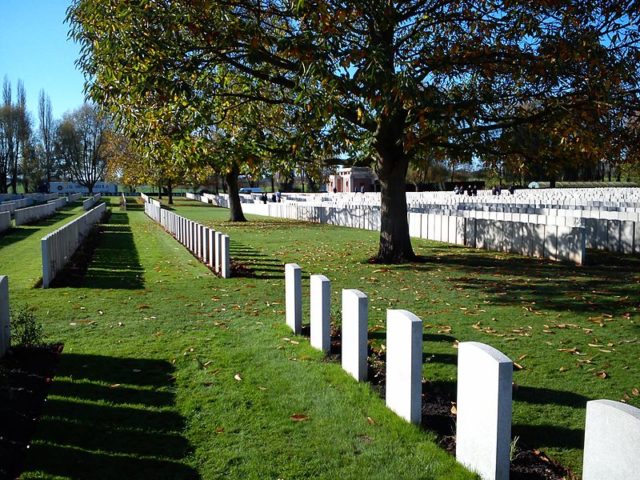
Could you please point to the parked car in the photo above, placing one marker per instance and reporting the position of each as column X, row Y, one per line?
column 251, row 190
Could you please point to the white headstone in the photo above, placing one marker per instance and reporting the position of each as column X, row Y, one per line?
column 404, row 365
column 218, row 252
column 483, row 432
column 320, row 312
column 611, row 441
column 212, row 248
column 354, row 333
column 225, row 267
column 293, row 296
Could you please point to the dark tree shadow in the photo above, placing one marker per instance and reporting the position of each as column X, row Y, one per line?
column 255, row 264
column 109, row 260
column 111, row 418
column 608, row 283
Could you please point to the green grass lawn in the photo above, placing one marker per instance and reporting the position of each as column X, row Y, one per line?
column 574, row 331
column 171, row 372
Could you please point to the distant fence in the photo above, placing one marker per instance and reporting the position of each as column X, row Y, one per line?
column 59, row 246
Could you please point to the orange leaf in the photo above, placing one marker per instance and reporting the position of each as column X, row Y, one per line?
column 299, row 417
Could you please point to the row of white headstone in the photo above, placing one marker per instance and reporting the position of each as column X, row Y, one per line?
column 206, row 244
column 91, row 201
column 484, row 387
column 25, row 214
column 60, row 245
column 13, row 205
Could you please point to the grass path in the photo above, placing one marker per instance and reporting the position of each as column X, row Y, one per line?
column 171, row 372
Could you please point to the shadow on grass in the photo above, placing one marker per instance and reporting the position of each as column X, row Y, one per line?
column 608, row 284
column 111, row 418
column 16, row 234
column 113, row 262
column 254, row 263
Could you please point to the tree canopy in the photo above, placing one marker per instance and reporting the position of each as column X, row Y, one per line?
column 387, row 80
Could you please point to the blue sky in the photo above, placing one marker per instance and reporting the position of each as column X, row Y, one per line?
column 35, row 49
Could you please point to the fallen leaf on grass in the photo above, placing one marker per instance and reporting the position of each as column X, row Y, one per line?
column 371, row 421
column 220, row 430
column 262, row 388
column 602, row 374
column 517, row 366
column 115, row 385
column 562, row 369
column 299, row 417
column 635, row 392
column 573, row 350
column 237, row 377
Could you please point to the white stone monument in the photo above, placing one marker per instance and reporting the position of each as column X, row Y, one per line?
column 404, row 365
column 293, row 294
column 218, row 262
column 483, row 432
column 320, row 312
column 354, row 333
column 611, row 441
column 225, row 267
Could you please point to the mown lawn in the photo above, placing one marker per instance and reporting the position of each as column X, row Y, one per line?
column 573, row 331
column 170, row 372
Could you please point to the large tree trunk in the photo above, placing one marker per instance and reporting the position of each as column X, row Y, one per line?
column 170, row 193
column 395, row 243
column 235, row 207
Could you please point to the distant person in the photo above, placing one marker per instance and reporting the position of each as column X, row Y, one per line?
column 475, row 190
column 274, row 199
column 263, row 197
column 469, row 190
column 362, row 188
column 335, row 190
column 512, row 189
column 456, row 190
column 279, row 196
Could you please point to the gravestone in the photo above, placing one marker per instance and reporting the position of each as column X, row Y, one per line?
column 293, row 296
column 354, row 333
column 611, row 441
column 404, row 365
column 320, row 312
column 483, row 432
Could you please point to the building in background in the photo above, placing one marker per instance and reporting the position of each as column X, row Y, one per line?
column 70, row 187
column 354, row 179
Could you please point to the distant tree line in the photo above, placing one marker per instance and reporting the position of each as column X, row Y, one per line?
column 74, row 148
